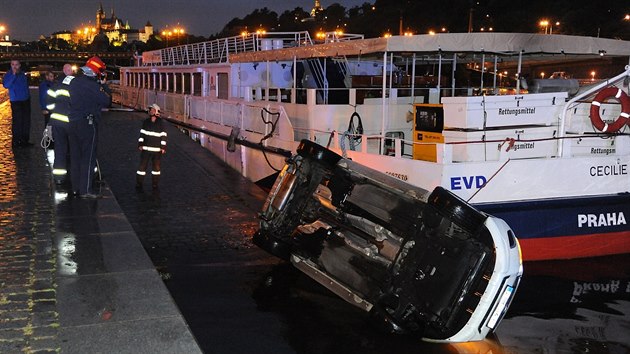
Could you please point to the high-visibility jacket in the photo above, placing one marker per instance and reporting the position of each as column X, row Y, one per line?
column 152, row 135
column 59, row 101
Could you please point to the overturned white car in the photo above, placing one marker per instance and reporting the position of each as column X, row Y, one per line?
column 418, row 261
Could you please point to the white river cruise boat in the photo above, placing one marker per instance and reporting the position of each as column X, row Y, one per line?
column 548, row 154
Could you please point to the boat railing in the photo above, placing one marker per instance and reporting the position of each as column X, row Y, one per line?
column 219, row 50
column 579, row 98
column 273, row 120
column 337, row 36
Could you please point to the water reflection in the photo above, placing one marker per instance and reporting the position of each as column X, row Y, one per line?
column 67, row 247
column 8, row 169
column 578, row 306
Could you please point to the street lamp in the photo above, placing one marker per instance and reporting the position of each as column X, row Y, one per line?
column 544, row 24
column 167, row 34
column 547, row 26
column 3, row 29
column 592, row 75
column 178, row 31
column 175, row 32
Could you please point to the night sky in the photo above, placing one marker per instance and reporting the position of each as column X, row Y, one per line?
column 29, row 19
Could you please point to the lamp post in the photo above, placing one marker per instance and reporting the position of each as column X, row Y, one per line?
column 544, row 24
column 547, row 26
column 176, row 32
column 167, row 34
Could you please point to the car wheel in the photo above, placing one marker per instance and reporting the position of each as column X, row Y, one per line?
column 275, row 247
column 455, row 209
column 309, row 149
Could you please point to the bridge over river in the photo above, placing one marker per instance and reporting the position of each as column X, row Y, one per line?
column 57, row 58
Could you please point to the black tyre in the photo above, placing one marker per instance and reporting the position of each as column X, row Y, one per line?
column 455, row 209
column 275, row 247
column 314, row 151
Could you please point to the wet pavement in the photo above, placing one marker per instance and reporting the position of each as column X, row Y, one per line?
column 72, row 271
column 73, row 276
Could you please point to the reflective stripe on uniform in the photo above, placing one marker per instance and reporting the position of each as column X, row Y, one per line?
column 141, row 173
column 52, row 93
column 50, row 107
column 163, row 142
column 140, row 140
column 148, row 148
column 148, row 132
column 63, row 92
column 60, row 117
column 155, row 173
column 59, row 172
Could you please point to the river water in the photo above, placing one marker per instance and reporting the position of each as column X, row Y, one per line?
column 574, row 306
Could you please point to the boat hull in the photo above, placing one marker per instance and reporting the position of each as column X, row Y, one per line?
column 566, row 228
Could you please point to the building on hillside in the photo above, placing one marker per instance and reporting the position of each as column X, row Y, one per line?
column 114, row 28
column 119, row 31
column 316, row 9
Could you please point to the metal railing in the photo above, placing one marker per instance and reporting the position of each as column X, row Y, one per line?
column 341, row 37
column 219, row 50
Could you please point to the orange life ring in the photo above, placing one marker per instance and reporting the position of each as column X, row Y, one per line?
column 602, row 96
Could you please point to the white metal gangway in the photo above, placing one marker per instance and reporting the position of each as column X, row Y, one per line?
column 219, row 50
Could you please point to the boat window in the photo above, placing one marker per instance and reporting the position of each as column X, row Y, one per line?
column 222, row 86
column 197, row 81
column 162, row 82
column 429, row 118
column 179, row 83
column 170, row 84
column 186, row 83
column 152, row 81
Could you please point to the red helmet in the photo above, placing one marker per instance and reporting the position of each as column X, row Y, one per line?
column 94, row 64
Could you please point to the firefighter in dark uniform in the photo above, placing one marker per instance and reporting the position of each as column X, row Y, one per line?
column 152, row 144
column 88, row 94
column 59, row 106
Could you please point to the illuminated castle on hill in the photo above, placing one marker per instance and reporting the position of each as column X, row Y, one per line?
column 107, row 29
column 316, row 9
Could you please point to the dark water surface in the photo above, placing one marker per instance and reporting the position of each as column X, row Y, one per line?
column 237, row 299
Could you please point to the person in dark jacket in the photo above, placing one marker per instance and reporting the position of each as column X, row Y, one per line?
column 19, row 96
column 59, row 106
column 152, row 144
column 47, row 84
column 88, row 95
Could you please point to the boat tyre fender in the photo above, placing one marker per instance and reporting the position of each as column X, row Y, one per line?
column 311, row 150
column 602, row 96
column 451, row 207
